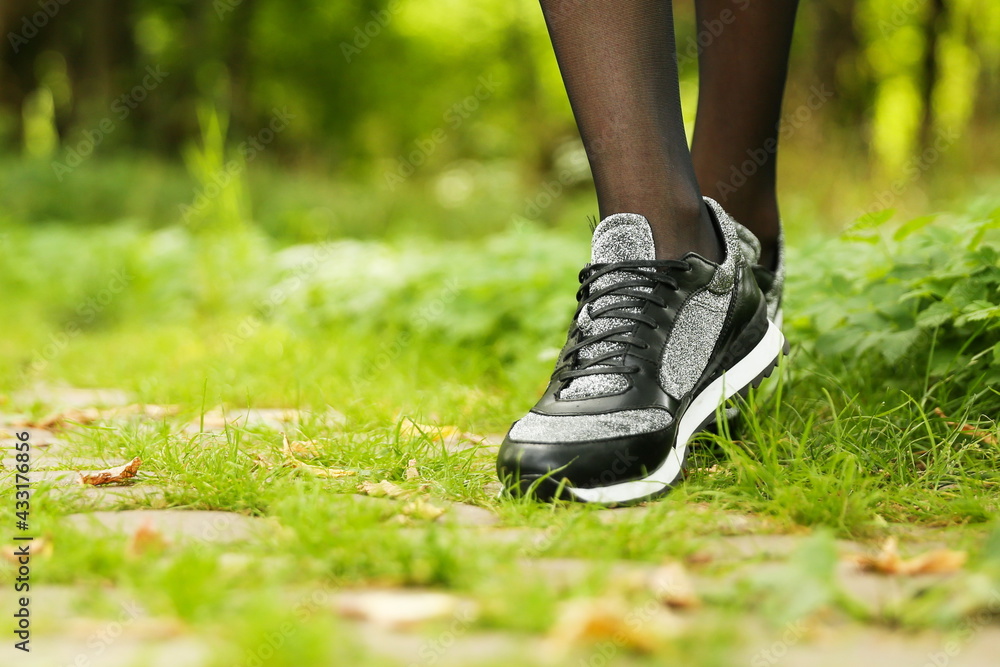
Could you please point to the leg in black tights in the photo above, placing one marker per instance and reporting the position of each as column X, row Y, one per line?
column 741, row 77
column 621, row 77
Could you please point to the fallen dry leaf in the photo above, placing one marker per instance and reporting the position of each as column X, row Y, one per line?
column 293, row 447
column 411, row 469
column 588, row 621
column 220, row 418
column 146, row 538
column 111, row 475
column 39, row 546
column 447, row 435
column 402, row 609
column 85, row 416
column 264, row 460
column 383, row 489
column 672, row 586
column 140, row 628
column 422, row 509
column 288, row 449
column 410, row 429
column 320, row 471
column 57, row 420
column 968, row 429
column 888, row 561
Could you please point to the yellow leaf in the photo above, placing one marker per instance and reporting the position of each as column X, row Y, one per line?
column 39, row 546
column 888, row 561
column 422, row 509
column 585, row 622
column 146, row 538
column 288, row 448
column 383, row 489
column 672, row 586
column 402, row 609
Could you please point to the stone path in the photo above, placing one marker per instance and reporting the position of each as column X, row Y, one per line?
column 175, row 525
column 408, row 626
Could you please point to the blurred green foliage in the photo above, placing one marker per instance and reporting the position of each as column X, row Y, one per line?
column 388, row 87
column 921, row 319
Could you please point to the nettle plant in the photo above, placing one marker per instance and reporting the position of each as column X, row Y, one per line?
column 918, row 306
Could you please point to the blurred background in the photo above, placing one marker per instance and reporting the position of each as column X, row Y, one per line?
column 211, row 150
column 430, row 115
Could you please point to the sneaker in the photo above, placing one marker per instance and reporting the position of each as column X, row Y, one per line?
column 771, row 281
column 655, row 348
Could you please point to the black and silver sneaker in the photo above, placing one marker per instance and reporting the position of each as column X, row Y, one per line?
column 655, row 347
column 770, row 280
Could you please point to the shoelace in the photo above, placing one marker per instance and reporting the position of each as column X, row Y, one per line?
column 571, row 364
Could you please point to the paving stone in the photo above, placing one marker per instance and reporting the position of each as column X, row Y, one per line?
column 91, row 498
column 58, row 459
column 463, row 514
column 182, row 525
column 485, row 445
column 56, row 651
column 55, row 477
column 277, row 419
column 452, row 644
column 879, row 592
column 569, row 572
column 768, row 547
column 65, row 398
column 856, row 645
column 38, row 437
column 717, row 522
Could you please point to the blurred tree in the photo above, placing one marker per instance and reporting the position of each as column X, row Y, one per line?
column 368, row 81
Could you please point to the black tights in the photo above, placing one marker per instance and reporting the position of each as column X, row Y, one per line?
column 618, row 61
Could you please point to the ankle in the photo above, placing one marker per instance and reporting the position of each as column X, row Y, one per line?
column 693, row 230
column 760, row 215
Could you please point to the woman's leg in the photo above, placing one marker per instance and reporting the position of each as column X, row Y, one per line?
column 742, row 80
column 621, row 78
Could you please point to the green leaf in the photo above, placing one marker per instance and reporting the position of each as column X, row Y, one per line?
column 912, row 226
column 872, row 220
column 935, row 315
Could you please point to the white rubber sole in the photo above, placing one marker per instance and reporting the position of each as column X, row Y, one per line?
column 701, row 408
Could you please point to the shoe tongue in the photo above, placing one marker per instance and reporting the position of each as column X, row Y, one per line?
column 622, row 237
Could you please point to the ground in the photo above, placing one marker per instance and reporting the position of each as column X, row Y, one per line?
column 179, row 565
column 309, row 425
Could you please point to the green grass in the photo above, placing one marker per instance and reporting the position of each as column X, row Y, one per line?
column 461, row 332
